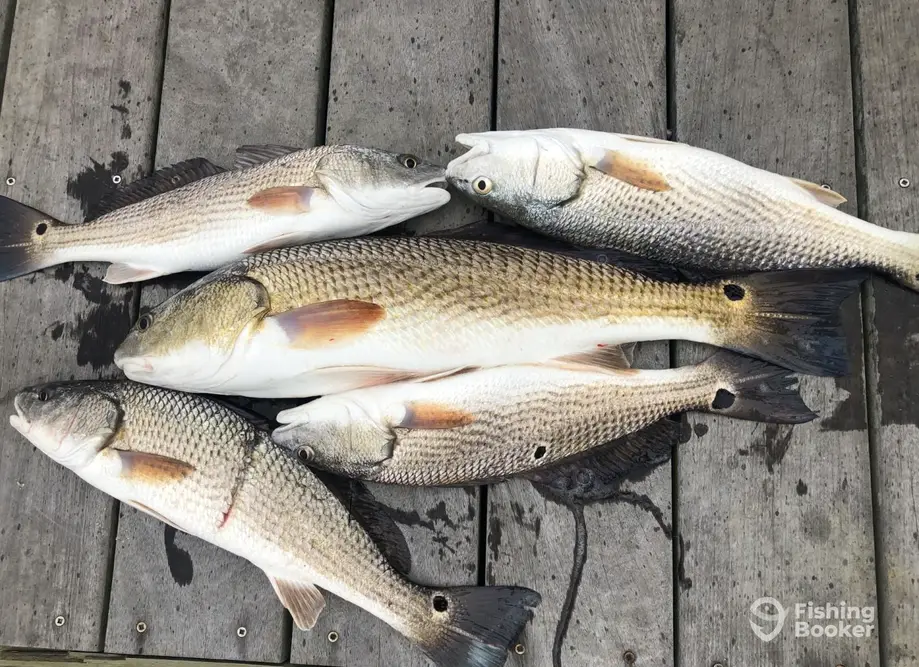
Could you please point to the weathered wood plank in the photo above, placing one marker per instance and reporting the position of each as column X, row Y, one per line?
column 407, row 76
column 249, row 73
column 606, row 72
column 887, row 63
column 62, row 133
column 766, row 510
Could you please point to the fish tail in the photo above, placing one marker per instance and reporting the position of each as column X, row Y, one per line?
column 791, row 318
column 906, row 269
column 24, row 233
column 476, row 625
column 747, row 388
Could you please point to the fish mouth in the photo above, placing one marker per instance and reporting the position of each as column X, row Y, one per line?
column 134, row 365
column 19, row 421
column 436, row 182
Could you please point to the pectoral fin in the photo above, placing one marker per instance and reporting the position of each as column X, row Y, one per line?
column 429, row 415
column 118, row 274
column 328, row 322
column 150, row 468
column 820, row 193
column 287, row 200
column 301, row 598
column 631, row 170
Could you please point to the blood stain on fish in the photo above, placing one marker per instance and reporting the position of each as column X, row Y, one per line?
column 180, row 565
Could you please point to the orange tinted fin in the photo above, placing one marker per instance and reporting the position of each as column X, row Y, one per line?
column 286, row 200
column 820, row 193
column 632, row 171
column 608, row 357
column 419, row 414
column 152, row 468
column 328, row 322
column 301, row 598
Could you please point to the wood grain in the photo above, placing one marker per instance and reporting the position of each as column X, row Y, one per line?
column 62, row 139
column 600, row 67
column 248, row 73
column 765, row 510
column 407, row 76
column 889, row 121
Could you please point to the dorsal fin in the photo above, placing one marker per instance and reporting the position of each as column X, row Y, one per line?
column 598, row 474
column 163, row 180
column 373, row 517
column 820, row 193
column 249, row 156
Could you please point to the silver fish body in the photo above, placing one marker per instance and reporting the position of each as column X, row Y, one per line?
column 672, row 202
column 302, row 196
column 203, row 468
column 496, row 423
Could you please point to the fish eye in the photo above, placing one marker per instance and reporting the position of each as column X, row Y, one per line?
column 305, row 453
column 144, row 321
column 408, row 161
column 43, row 395
column 482, row 185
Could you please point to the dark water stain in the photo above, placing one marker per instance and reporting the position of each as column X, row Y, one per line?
column 642, row 501
column 684, row 582
column 56, row 330
column 443, row 540
column 534, row 526
column 63, row 272
column 579, row 558
column 850, row 413
column 772, row 444
column 124, row 87
column 94, row 183
column 801, row 488
column 817, row 525
column 126, row 131
column 120, row 108
column 100, row 332
column 439, row 513
column 180, row 565
column 897, row 353
column 700, row 429
column 494, row 536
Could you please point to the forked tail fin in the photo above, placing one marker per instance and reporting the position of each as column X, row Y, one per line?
column 476, row 625
column 23, row 234
column 755, row 390
column 792, row 318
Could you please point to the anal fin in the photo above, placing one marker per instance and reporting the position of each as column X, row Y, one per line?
column 156, row 515
column 301, row 598
column 606, row 357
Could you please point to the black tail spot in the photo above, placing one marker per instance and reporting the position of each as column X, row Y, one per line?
column 723, row 400
column 42, row 228
column 734, row 292
column 539, row 453
column 440, row 603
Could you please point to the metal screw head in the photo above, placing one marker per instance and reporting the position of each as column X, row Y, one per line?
column 11, row 181
column 59, row 621
column 824, row 186
column 903, row 182
column 141, row 627
column 241, row 631
column 333, row 636
column 520, row 649
column 717, row 664
column 629, row 657
column 116, row 179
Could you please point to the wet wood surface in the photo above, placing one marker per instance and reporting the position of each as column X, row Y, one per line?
column 770, row 511
column 823, row 513
column 260, row 83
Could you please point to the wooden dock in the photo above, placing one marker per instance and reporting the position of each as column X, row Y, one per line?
column 824, row 513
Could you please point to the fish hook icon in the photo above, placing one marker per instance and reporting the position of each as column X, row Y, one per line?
column 759, row 610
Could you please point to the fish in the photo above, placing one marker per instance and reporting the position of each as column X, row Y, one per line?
column 495, row 423
column 196, row 216
column 673, row 203
column 204, row 469
column 329, row 317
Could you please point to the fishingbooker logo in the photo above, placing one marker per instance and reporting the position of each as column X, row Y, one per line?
column 768, row 616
